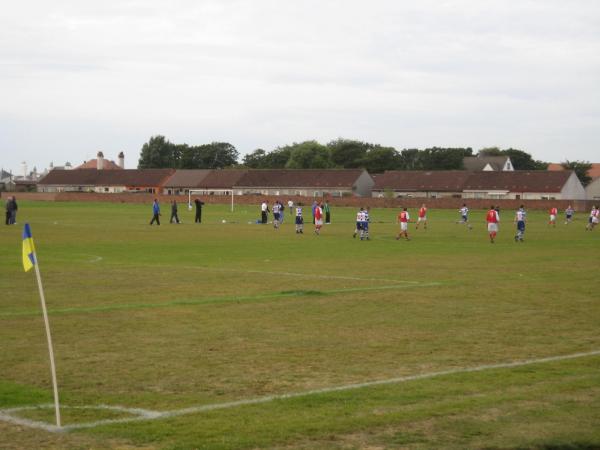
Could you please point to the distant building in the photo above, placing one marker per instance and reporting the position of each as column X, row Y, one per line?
column 420, row 183
column 100, row 163
column 525, row 185
column 488, row 163
column 592, row 190
column 105, row 181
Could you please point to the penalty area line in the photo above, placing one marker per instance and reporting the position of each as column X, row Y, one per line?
column 8, row 415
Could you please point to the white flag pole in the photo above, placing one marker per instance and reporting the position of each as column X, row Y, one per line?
column 49, row 337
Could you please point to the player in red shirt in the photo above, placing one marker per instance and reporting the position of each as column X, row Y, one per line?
column 553, row 214
column 422, row 217
column 318, row 219
column 492, row 218
column 403, row 219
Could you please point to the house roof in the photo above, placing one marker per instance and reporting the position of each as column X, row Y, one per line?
column 518, row 181
column 222, row 179
column 420, row 180
column 479, row 162
column 187, row 178
column 93, row 164
column 301, row 178
column 594, row 171
column 93, row 177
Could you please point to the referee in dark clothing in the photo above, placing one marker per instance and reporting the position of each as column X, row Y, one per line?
column 199, row 204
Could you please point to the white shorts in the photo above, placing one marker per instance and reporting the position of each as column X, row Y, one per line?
column 492, row 227
column 552, row 218
column 404, row 226
column 422, row 219
column 318, row 221
column 595, row 219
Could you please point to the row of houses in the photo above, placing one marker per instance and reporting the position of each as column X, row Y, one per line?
column 526, row 185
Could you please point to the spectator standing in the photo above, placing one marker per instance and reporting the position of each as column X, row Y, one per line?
column 174, row 212
column 327, row 212
column 155, row 212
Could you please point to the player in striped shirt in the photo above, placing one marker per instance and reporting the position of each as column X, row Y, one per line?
column 299, row 219
column 276, row 214
column 359, row 221
column 364, row 232
column 403, row 219
column 464, row 216
column 553, row 214
column 569, row 215
column 492, row 218
column 520, row 219
column 422, row 217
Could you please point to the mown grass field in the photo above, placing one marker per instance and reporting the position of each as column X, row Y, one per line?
column 180, row 316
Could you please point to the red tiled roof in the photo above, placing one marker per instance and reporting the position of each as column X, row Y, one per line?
column 518, row 181
column 221, row 179
column 301, row 178
column 93, row 177
column 422, row 181
column 93, row 164
column 187, row 178
column 594, row 171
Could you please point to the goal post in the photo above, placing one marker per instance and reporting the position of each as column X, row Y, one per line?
column 210, row 192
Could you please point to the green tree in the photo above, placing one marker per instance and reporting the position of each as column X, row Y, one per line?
column 157, row 153
column 309, row 155
column 489, row 151
column 580, row 168
column 379, row 159
column 410, row 159
column 348, row 154
column 523, row 161
column 256, row 159
column 437, row 158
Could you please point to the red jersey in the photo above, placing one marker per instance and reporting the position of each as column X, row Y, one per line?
column 403, row 216
column 492, row 216
column 422, row 212
column 553, row 211
column 318, row 213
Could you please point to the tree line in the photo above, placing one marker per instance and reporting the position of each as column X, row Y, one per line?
column 159, row 152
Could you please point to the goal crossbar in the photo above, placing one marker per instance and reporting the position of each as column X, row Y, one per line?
column 207, row 192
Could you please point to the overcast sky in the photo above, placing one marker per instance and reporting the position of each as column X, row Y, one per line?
column 78, row 76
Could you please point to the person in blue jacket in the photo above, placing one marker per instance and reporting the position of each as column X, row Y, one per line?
column 155, row 212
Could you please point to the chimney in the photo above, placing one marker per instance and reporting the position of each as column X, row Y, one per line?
column 122, row 160
column 100, row 161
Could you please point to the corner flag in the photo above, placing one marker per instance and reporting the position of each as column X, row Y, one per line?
column 28, row 249
column 29, row 261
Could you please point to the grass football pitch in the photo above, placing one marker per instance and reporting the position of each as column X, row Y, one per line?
column 233, row 335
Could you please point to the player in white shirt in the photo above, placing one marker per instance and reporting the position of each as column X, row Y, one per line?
column 520, row 220
column 464, row 216
column 594, row 218
column 359, row 220
column 276, row 214
column 299, row 219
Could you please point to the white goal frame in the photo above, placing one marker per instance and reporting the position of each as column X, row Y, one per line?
column 209, row 192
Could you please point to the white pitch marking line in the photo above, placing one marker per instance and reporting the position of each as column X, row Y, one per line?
column 144, row 414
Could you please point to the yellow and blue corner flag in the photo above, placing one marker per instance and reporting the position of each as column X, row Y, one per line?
column 28, row 249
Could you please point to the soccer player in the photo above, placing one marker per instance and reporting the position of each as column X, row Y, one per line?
column 264, row 210
column 359, row 221
column 422, row 217
column 464, row 216
column 318, row 218
column 520, row 219
column 291, row 206
column 364, row 232
column 553, row 213
column 299, row 219
column 403, row 219
column 594, row 218
column 492, row 218
column 276, row 214
column 569, row 215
